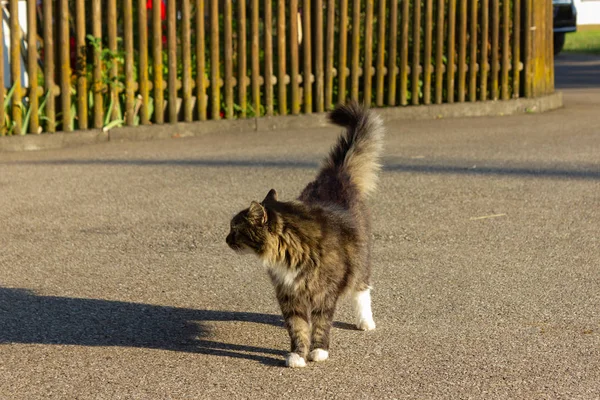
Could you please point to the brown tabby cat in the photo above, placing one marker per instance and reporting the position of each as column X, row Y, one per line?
column 318, row 247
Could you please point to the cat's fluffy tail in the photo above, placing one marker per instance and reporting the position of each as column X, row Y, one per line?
column 358, row 150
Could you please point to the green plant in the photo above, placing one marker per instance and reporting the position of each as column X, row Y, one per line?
column 110, row 59
column 9, row 124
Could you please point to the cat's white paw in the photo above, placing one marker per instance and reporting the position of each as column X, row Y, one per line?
column 318, row 355
column 293, row 360
column 366, row 324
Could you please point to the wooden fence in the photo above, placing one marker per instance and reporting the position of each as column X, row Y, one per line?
column 106, row 63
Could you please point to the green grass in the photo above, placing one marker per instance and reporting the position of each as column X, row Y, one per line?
column 587, row 41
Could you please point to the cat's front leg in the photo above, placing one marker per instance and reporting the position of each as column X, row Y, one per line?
column 298, row 327
column 299, row 331
column 322, row 319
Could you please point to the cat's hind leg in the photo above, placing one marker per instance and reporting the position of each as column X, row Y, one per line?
column 361, row 302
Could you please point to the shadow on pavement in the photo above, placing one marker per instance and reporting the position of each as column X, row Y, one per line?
column 28, row 318
column 577, row 71
column 456, row 167
column 587, row 172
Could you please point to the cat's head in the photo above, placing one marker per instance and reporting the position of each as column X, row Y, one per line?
column 249, row 232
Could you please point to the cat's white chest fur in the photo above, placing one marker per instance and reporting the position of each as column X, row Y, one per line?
column 283, row 275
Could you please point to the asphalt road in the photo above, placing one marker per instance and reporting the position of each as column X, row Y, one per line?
column 577, row 71
column 116, row 282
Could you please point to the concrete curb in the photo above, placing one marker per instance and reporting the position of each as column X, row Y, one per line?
column 56, row 140
column 180, row 130
column 477, row 109
column 289, row 122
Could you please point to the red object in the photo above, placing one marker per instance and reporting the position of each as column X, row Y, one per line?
column 163, row 8
column 73, row 52
column 163, row 15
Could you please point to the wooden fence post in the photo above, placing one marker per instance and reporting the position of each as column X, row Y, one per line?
column 48, row 36
column 65, row 64
column 32, row 65
column 97, row 73
column 15, row 67
column 538, row 49
column 144, row 86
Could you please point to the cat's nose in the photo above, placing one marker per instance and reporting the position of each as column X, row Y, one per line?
column 229, row 239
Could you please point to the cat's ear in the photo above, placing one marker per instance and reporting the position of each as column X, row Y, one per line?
column 271, row 196
column 257, row 214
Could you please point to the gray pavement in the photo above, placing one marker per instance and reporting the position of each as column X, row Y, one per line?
column 577, row 71
column 116, row 282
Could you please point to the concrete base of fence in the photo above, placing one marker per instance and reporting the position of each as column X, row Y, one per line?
column 50, row 141
column 477, row 109
column 180, row 130
column 290, row 122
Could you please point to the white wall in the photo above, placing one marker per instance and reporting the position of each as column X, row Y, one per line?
column 588, row 12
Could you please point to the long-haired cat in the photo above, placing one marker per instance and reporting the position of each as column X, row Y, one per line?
column 319, row 246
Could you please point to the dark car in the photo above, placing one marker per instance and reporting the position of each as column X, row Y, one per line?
column 565, row 20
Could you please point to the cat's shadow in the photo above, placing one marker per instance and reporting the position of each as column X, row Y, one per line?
column 29, row 318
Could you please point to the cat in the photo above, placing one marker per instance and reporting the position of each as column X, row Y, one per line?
column 318, row 247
